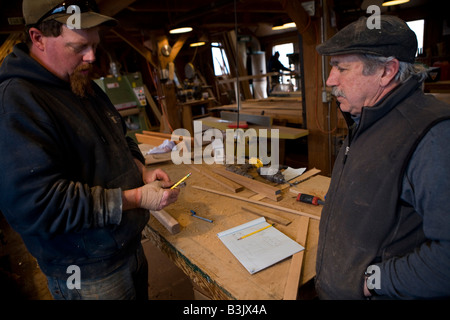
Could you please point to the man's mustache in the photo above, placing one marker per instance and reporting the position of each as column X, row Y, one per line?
column 335, row 91
column 87, row 67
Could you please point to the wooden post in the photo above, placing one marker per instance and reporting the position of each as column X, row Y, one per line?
column 316, row 111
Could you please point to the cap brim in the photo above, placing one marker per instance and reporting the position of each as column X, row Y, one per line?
column 336, row 51
column 88, row 20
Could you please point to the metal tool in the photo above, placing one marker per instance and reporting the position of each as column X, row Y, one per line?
column 307, row 198
column 278, row 177
column 194, row 214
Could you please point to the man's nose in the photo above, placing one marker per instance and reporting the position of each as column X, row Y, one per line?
column 332, row 78
column 89, row 56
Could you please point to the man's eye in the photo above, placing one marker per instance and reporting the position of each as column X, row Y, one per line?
column 78, row 49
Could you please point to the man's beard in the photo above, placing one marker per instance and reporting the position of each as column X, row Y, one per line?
column 81, row 83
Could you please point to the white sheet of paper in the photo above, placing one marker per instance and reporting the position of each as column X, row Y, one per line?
column 291, row 173
column 261, row 249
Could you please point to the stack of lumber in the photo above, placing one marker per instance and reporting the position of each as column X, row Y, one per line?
column 282, row 109
column 157, row 138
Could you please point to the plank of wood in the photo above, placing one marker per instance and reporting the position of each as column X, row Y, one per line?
column 268, row 215
column 295, row 269
column 169, row 136
column 305, row 176
column 151, row 140
column 269, row 191
column 136, row 45
column 152, row 103
column 273, row 206
column 250, row 118
column 169, row 222
column 224, row 182
column 157, row 158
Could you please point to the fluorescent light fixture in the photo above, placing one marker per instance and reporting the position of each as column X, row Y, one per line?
column 197, row 44
column 388, row 3
column 180, row 30
column 284, row 26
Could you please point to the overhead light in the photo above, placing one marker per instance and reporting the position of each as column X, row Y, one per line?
column 289, row 25
column 180, row 30
column 284, row 26
column 197, row 44
column 388, row 3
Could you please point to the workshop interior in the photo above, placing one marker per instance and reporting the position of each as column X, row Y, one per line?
column 193, row 83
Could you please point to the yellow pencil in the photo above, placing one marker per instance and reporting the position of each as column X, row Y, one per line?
column 271, row 225
column 184, row 178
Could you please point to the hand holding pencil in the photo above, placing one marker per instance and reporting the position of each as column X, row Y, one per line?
column 181, row 180
column 155, row 196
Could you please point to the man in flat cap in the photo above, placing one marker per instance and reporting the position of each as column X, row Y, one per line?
column 73, row 185
column 384, row 230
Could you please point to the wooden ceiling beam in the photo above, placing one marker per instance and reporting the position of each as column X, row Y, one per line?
column 136, row 45
column 301, row 18
column 113, row 7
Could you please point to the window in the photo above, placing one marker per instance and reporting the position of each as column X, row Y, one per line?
column 220, row 60
column 284, row 50
column 418, row 27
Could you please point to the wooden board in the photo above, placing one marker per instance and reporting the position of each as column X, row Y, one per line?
column 295, row 270
column 268, row 215
column 167, row 221
column 300, row 213
column 305, row 176
column 313, row 187
column 287, row 109
column 269, row 191
column 283, row 132
column 224, row 182
column 255, row 119
column 153, row 158
column 151, row 140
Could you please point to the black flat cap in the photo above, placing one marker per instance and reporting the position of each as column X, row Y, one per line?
column 392, row 38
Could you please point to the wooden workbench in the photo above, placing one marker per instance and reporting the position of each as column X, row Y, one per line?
column 284, row 132
column 281, row 109
column 197, row 250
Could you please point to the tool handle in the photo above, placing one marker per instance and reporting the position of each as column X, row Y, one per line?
column 307, row 198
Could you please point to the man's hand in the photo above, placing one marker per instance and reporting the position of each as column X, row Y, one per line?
column 154, row 197
column 151, row 196
column 149, row 176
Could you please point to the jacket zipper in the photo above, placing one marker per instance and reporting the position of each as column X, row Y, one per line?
column 352, row 130
column 347, row 150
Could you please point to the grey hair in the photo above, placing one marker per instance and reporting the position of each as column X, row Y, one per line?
column 405, row 71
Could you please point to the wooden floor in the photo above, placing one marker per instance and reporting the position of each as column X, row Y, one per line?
column 22, row 279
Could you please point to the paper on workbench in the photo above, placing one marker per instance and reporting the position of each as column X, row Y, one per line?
column 291, row 173
column 260, row 250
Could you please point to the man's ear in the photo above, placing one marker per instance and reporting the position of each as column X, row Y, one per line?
column 390, row 71
column 37, row 38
